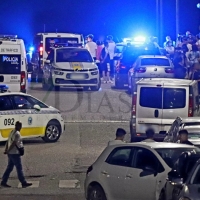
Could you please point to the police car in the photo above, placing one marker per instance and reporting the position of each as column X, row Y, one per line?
column 70, row 67
column 38, row 119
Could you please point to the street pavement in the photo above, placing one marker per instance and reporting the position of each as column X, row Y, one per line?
column 57, row 170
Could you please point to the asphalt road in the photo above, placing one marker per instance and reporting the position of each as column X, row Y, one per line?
column 57, row 170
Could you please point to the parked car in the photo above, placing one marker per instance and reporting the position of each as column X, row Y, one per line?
column 191, row 124
column 132, row 171
column 150, row 66
column 157, row 102
column 183, row 180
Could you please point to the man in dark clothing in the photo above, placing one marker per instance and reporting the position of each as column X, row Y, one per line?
column 183, row 137
column 179, row 68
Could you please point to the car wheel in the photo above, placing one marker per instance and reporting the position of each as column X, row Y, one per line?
column 52, row 132
column 96, row 88
column 162, row 195
column 96, row 193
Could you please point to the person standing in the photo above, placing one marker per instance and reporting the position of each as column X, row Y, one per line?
column 12, row 149
column 183, row 137
column 120, row 135
column 100, row 47
column 105, row 63
column 91, row 46
column 111, row 50
column 150, row 134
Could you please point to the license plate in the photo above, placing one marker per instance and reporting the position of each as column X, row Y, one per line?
column 77, row 76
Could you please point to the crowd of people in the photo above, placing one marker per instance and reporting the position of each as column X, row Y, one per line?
column 185, row 55
column 103, row 51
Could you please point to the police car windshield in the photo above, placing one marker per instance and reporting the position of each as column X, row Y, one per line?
column 10, row 64
column 170, row 155
column 155, row 61
column 73, row 55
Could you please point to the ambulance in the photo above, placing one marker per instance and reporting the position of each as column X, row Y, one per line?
column 38, row 119
column 13, row 66
column 43, row 43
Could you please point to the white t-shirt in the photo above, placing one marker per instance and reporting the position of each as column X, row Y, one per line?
column 92, row 48
column 113, row 142
column 14, row 135
column 111, row 49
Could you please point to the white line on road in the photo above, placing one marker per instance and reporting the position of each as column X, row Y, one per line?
column 69, row 184
column 94, row 121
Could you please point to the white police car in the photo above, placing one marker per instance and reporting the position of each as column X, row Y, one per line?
column 70, row 67
column 38, row 119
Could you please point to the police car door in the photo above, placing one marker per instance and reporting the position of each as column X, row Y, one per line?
column 31, row 118
column 8, row 117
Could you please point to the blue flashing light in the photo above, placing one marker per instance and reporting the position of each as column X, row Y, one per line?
column 3, row 88
column 31, row 48
column 140, row 39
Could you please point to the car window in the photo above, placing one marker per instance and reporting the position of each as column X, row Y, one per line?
column 171, row 155
column 5, row 103
column 196, row 179
column 154, row 101
column 120, row 156
column 145, row 158
column 174, row 98
column 155, row 61
column 21, row 102
column 73, row 55
column 34, row 101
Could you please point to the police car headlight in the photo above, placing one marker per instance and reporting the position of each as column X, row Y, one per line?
column 94, row 73
column 58, row 72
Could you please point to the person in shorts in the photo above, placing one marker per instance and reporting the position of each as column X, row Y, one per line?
column 105, row 63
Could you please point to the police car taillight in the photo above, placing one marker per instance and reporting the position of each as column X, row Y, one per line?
column 23, row 80
column 3, row 88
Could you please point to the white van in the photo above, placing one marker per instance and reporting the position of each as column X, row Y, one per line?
column 157, row 102
column 13, row 68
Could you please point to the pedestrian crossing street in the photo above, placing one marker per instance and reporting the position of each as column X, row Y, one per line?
column 67, row 184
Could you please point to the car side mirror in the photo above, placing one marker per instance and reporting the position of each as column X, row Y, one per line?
column 37, row 107
column 47, row 61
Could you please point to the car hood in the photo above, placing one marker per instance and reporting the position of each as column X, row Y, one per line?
column 74, row 65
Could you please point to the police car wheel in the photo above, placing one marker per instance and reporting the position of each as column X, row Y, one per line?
column 53, row 132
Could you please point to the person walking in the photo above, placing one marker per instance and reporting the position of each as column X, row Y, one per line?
column 91, row 46
column 183, row 137
column 13, row 149
column 105, row 63
column 150, row 135
column 120, row 135
column 111, row 50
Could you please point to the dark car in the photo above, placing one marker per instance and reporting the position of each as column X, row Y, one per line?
column 183, row 180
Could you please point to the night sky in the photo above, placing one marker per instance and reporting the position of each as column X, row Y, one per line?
column 119, row 18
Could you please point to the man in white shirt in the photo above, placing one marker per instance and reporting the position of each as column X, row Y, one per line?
column 111, row 50
column 150, row 134
column 120, row 134
column 91, row 46
column 13, row 144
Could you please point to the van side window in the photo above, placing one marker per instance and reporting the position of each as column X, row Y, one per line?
column 154, row 101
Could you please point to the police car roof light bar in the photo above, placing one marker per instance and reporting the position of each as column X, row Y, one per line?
column 3, row 88
column 8, row 36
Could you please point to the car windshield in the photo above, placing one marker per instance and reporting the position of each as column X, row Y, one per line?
column 155, row 61
column 73, row 55
column 170, row 155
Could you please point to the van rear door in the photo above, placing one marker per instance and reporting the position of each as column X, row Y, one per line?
column 10, row 67
column 175, row 104
column 149, row 108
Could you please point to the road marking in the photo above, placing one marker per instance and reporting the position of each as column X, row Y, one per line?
column 35, row 184
column 95, row 121
column 69, row 184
